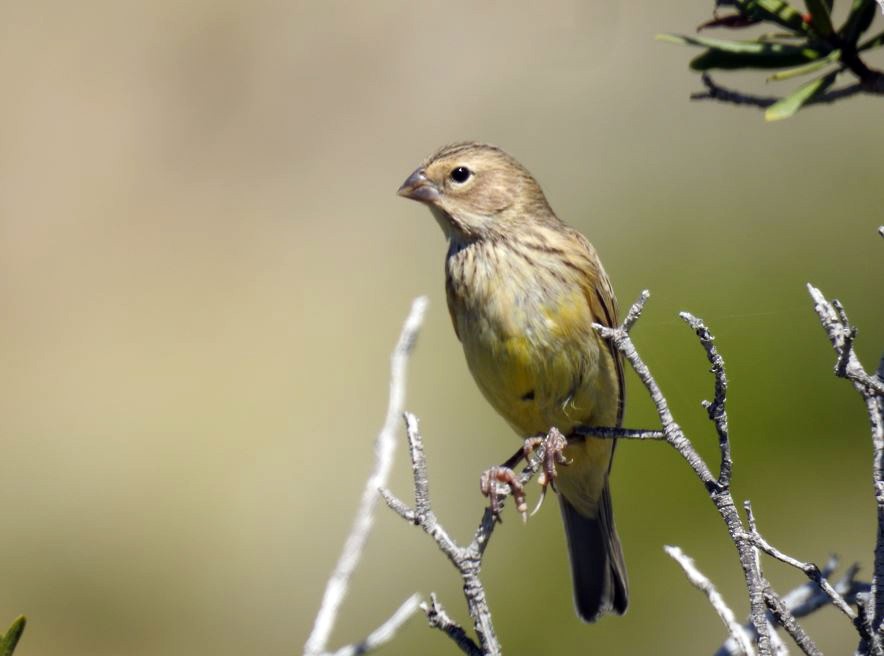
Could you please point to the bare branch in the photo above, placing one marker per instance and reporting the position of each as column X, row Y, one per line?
column 738, row 633
column 385, row 632
column 766, row 606
column 619, row 433
column 439, row 619
column 810, row 569
column 840, row 332
column 416, row 449
column 807, row 598
column 385, row 445
column 871, row 387
column 787, row 620
column 761, row 595
column 776, row 609
column 716, row 409
column 423, row 514
column 635, row 311
column 718, row 493
column 467, row 559
column 671, row 430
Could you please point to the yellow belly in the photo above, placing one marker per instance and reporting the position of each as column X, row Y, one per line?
column 541, row 366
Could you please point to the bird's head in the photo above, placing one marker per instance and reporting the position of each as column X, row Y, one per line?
column 476, row 191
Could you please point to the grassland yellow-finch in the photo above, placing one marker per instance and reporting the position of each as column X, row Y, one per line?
column 523, row 290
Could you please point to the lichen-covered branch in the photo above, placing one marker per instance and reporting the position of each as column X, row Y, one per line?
column 813, row 572
column 807, row 598
column 765, row 604
column 718, row 487
column 842, row 334
column 716, row 408
column 784, row 617
column 439, row 619
column 466, row 559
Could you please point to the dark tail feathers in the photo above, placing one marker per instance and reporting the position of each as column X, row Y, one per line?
column 597, row 567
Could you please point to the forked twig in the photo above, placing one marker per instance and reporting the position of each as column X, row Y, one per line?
column 717, row 487
column 466, row 559
column 842, row 335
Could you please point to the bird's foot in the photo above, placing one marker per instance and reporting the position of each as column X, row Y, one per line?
column 554, row 444
column 503, row 474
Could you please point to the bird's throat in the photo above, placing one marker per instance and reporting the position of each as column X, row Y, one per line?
column 452, row 228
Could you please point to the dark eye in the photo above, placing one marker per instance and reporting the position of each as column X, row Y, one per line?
column 461, row 174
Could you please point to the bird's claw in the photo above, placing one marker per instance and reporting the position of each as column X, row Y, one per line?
column 554, row 444
column 488, row 484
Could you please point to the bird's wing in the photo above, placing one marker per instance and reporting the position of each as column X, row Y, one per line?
column 603, row 305
column 449, row 296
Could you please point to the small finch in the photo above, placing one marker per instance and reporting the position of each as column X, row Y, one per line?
column 523, row 291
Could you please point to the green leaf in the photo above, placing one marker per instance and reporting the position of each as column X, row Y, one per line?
column 776, row 11
column 9, row 641
column 744, row 54
column 862, row 12
column 798, row 98
column 820, row 19
column 781, row 37
column 712, row 59
column 812, row 67
column 875, row 42
column 754, row 47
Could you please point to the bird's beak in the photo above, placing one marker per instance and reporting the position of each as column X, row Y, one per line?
column 418, row 187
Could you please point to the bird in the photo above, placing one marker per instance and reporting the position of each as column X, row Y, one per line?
column 523, row 290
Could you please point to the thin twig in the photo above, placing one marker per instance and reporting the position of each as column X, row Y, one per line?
column 671, row 430
column 617, row 433
column 385, row 445
column 439, row 619
column 810, row 569
column 467, row 559
column 787, row 620
column 426, row 518
column 737, row 632
column 716, row 410
column 385, row 632
column 720, row 495
column 809, row 597
column 841, row 334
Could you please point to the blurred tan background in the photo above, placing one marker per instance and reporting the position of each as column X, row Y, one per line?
column 204, row 265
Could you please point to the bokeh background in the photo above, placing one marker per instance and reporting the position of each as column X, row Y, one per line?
column 204, row 266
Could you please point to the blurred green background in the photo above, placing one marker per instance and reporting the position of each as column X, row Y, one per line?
column 204, row 266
